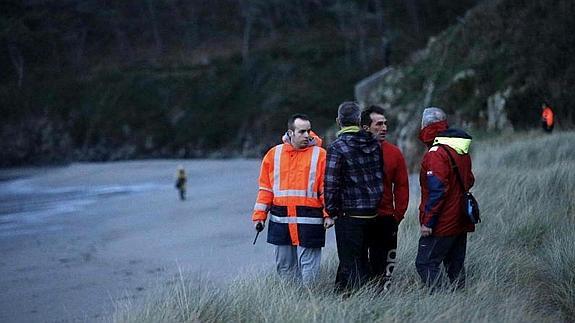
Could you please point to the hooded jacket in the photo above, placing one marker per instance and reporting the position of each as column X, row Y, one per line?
column 441, row 193
column 291, row 191
column 354, row 174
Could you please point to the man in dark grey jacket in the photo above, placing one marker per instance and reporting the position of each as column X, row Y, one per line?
column 353, row 187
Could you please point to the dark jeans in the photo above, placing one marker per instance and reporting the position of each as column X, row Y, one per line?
column 352, row 237
column 382, row 248
column 450, row 251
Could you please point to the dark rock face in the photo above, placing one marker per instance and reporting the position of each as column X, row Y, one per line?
column 43, row 141
column 34, row 141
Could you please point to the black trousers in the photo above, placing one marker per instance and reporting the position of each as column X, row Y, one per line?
column 546, row 127
column 352, row 237
column 382, row 248
column 433, row 251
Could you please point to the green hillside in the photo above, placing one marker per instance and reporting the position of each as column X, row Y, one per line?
column 94, row 80
column 98, row 80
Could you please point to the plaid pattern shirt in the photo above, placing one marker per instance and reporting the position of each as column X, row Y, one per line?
column 353, row 182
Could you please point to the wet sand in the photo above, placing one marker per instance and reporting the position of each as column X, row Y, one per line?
column 128, row 235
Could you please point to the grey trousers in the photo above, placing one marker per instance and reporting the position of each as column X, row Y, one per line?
column 298, row 263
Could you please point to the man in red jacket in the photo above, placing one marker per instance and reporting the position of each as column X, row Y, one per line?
column 443, row 226
column 392, row 207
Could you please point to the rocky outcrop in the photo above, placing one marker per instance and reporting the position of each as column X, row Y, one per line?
column 38, row 140
column 386, row 89
column 496, row 114
column 448, row 73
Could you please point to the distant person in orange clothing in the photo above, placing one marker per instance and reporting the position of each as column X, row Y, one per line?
column 392, row 207
column 181, row 182
column 547, row 117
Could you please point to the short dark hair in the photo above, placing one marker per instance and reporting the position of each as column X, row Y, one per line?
column 348, row 114
column 291, row 120
column 365, row 114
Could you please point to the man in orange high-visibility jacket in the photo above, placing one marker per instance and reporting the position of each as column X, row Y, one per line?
column 291, row 190
column 547, row 118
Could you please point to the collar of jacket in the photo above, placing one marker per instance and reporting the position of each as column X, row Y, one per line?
column 428, row 134
column 460, row 145
column 348, row 129
column 288, row 147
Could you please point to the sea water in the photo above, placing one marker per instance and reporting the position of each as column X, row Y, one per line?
column 22, row 202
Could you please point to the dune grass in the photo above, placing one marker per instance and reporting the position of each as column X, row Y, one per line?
column 520, row 261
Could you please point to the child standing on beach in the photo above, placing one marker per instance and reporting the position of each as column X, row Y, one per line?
column 181, row 182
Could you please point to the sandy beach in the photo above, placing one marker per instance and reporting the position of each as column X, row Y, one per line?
column 77, row 239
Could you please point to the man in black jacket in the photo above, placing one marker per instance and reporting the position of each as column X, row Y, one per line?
column 353, row 188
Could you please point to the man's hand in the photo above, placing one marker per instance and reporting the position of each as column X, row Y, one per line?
column 425, row 231
column 259, row 226
column 327, row 223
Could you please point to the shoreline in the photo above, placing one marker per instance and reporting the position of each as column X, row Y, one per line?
column 78, row 265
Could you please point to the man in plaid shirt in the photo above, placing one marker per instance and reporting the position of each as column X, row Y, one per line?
column 353, row 187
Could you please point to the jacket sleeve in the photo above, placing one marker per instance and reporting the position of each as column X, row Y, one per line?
column 321, row 176
column 437, row 170
column 265, row 191
column 400, row 189
column 332, row 181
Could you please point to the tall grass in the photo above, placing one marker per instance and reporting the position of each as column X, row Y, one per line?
column 520, row 260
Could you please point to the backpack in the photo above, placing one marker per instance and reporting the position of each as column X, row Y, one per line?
column 470, row 207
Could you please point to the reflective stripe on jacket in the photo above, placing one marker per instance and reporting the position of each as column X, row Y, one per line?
column 291, row 189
